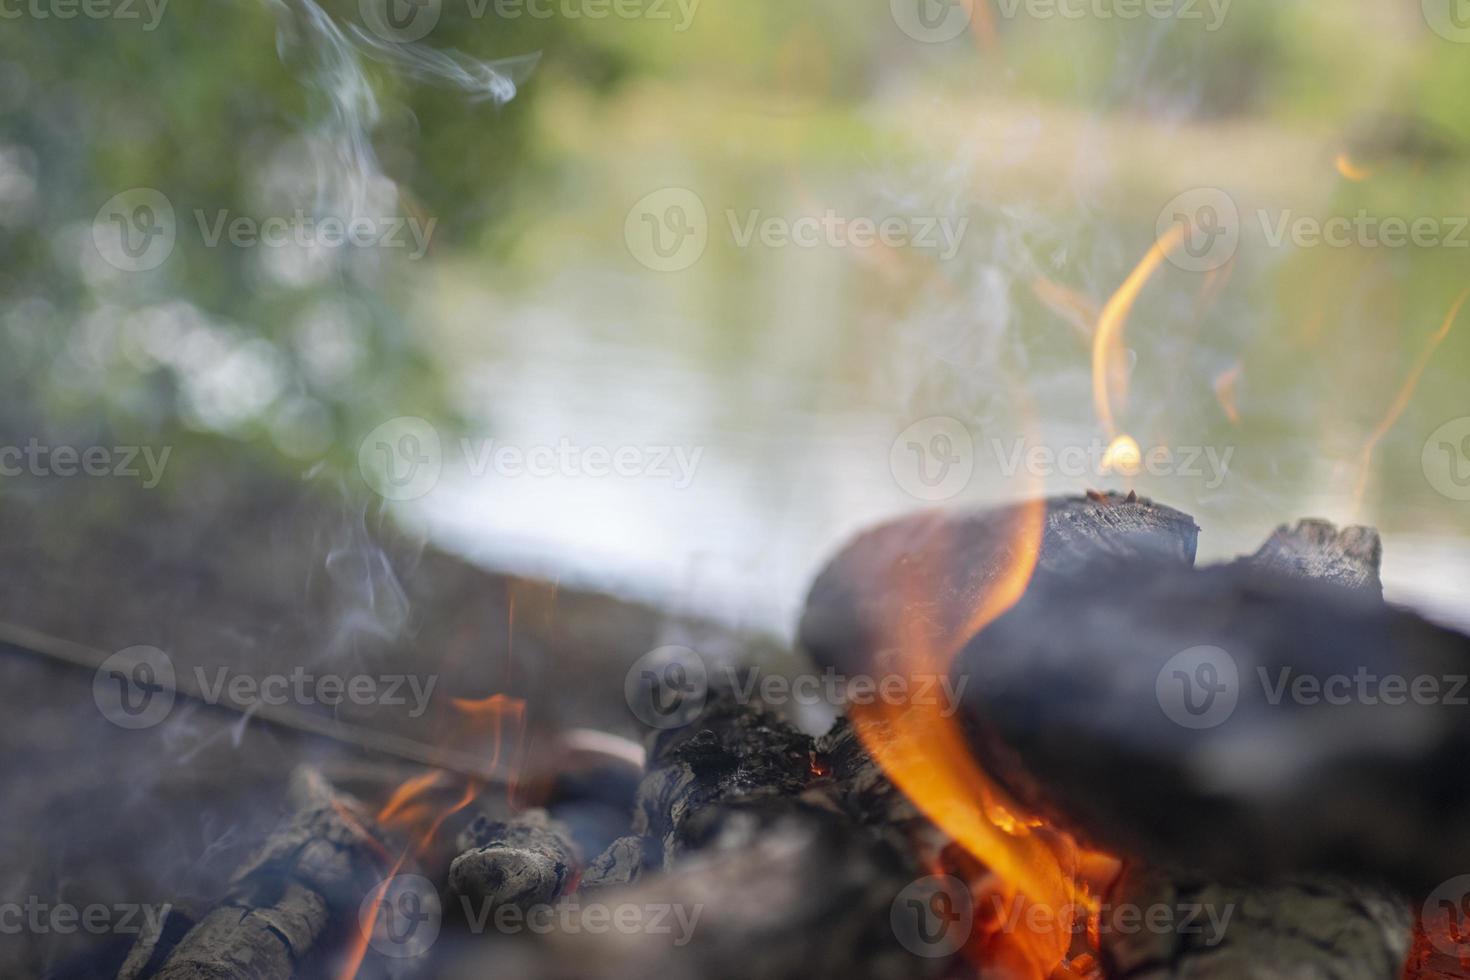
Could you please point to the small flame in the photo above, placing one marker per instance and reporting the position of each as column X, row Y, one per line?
column 1351, row 170
column 1124, row 456
column 1406, row 394
column 1226, row 386
column 1109, row 378
column 1076, row 308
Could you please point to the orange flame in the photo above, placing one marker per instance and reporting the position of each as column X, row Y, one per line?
column 1109, row 379
column 923, row 750
column 1226, row 385
column 1351, row 170
column 1406, row 394
column 410, row 807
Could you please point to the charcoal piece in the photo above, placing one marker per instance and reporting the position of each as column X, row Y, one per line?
column 1318, row 551
column 523, row 862
column 313, row 869
column 620, row 864
column 1160, row 925
column 777, row 889
column 1233, row 721
column 733, row 751
column 920, row 578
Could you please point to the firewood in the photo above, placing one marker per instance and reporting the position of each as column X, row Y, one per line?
column 930, row 571
column 733, row 751
column 1226, row 760
column 524, row 861
column 1318, row 551
column 1309, row 929
column 621, row 864
column 313, row 869
column 770, row 888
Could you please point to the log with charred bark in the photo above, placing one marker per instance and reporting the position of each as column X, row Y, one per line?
column 920, row 578
column 314, row 869
column 1318, row 551
column 1233, row 721
column 525, row 861
column 734, row 751
column 1178, row 926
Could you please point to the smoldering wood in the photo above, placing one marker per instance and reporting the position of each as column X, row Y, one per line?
column 921, row 577
column 733, row 751
column 1068, row 705
column 620, row 864
column 315, row 867
column 1310, row 929
column 1317, row 550
column 776, row 888
column 525, row 861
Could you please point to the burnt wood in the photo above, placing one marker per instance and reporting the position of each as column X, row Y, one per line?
column 921, row 577
column 526, row 861
column 1318, row 551
column 314, row 869
column 1179, row 926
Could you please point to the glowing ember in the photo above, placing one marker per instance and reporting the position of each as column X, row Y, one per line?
column 1406, row 394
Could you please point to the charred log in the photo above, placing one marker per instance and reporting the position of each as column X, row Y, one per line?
column 315, row 867
column 1231, row 721
column 1318, row 551
column 1173, row 926
column 929, row 572
column 734, row 751
column 523, row 862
